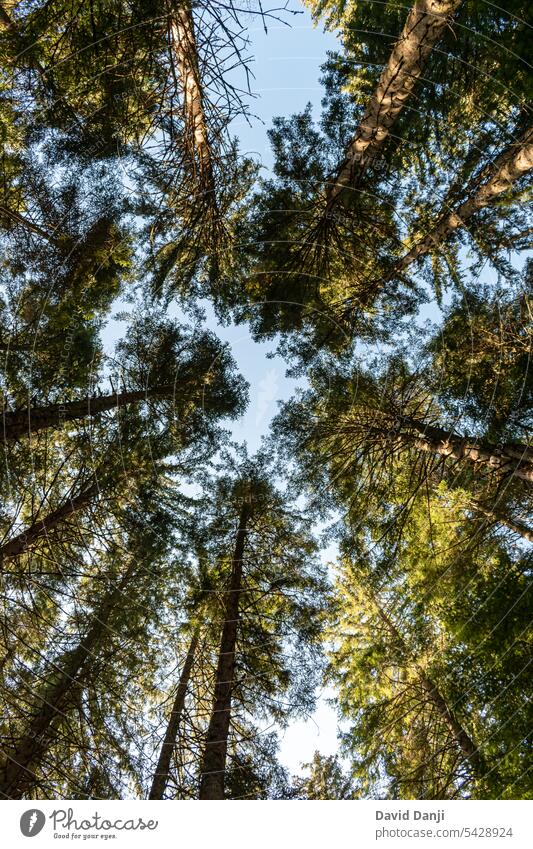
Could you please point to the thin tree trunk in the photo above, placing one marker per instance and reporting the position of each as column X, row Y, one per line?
column 28, row 421
column 27, row 224
column 513, row 525
column 512, row 164
column 186, row 56
column 424, row 27
column 467, row 746
column 162, row 773
column 40, row 528
column 510, row 458
column 216, row 744
column 464, row 741
column 17, row 776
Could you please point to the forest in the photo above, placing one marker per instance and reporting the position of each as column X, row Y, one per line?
column 167, row 610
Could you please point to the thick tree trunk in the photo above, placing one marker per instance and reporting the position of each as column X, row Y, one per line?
column 510, row 458
column 19, row 544
column 162, row 772
column 465, row 743
column 424, row 27
column 214, row 758
column 28, row 421
column 186, row 57
column 17, row 776
column 512, row 164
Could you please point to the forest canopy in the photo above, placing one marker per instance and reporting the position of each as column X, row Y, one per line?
column 169, row 601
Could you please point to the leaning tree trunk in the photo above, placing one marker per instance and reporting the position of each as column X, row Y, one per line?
column 162, row 772
column 18, row 766
column 513, row 524
column 510, row 458
column 425, row 26
column 26, row 223
column 42, row 527
column 25, row 422
column 185, row 52
column 371, row 429
column 465, row 743
column 509, row 167
column 216, row 743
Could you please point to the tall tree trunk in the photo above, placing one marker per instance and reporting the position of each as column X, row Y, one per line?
column 465, row 743
column 423, row 28
column 509, row 458
column 216, row 743
column 17, row 776
column 41, row 527
column 512, row 164
column 28, row 421
column 186, row 56
column 162, row 772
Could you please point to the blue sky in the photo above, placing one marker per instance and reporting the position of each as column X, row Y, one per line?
column 286, row 68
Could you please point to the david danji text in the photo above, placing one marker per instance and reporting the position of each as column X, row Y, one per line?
column 433, row 816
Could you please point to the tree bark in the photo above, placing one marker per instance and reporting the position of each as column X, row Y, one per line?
column 30, row 420
column 512, row 164
column 215, row 751
column 17, row 772
column 424, row 27
column 510, row 458
column 186, row 56
column 162, row 773
column 40, row 528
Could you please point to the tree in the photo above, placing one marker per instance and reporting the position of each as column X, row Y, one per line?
column 193, row 368
column 482, row 350
column 326, row 780
column 271, row 598
column 69, row 254
column 163, row 608
column 39, row 719
column 423, row 29
column 161, row 774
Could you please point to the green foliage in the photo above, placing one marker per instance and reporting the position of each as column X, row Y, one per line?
column 326, row 780
column 120, row 193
